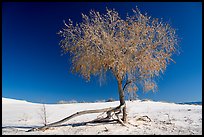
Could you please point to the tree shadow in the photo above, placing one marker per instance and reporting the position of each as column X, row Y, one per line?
column 26, row 127
column 79, row 124
column 89, row 123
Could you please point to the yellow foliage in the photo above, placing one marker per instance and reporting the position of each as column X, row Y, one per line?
column 138, row 45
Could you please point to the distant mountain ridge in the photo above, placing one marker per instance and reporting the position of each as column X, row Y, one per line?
column 192, row 103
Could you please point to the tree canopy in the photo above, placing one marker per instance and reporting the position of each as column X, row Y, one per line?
column 135, row 49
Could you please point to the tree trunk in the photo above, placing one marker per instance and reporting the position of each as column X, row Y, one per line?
column 122, row 100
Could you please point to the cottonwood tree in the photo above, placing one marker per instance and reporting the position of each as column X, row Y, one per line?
column 136, row 50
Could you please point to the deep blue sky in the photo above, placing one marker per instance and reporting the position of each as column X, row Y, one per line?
column 34, row 70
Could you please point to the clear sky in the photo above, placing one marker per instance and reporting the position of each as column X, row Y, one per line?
column 34, row 70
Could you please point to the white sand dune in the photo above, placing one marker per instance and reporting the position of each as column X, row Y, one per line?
column 166, row 118
column 13, row 101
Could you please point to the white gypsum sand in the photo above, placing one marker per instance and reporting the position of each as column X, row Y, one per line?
column 162, row 118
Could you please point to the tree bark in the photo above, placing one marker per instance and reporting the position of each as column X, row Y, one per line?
column 122, row 100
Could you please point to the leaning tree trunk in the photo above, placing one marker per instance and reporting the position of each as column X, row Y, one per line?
column 122, row 100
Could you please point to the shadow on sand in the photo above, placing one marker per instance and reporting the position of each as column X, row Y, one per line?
column 89, row 123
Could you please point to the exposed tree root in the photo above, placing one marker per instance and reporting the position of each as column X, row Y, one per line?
column 109, row 111
column 144, row 118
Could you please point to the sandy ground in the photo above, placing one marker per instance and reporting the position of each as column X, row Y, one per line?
column 164, row 118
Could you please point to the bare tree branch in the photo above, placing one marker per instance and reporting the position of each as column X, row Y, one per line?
column 128, row 82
